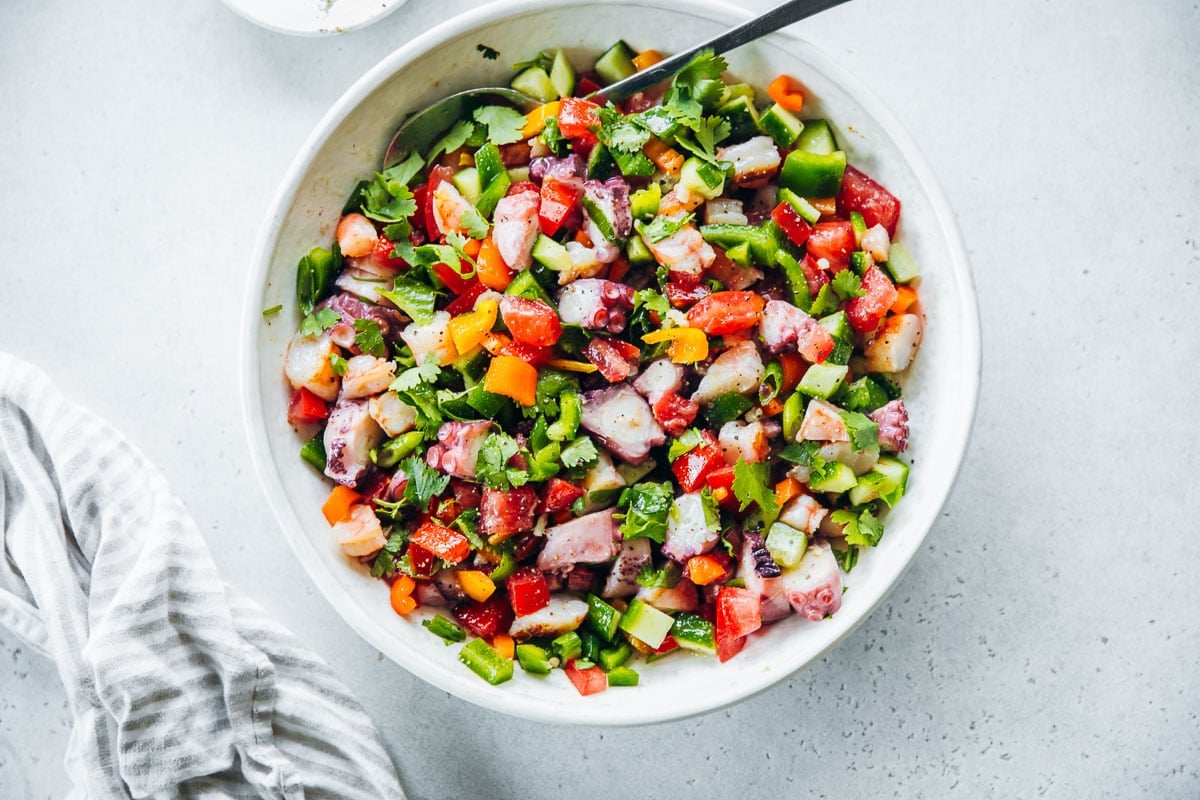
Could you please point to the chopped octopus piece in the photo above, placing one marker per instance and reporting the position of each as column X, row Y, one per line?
column 814, row 586
column 622, row 579
column 615, row 359
column 569, row 169
column 784, row 325
column 622, row 421
column 892, row 350
column 503, row 515
column 690, row 532
column 307, row 366
column 458, row 446
column 681, row 597
column 823, row 423
column 392, row 414
column 658, row 378
column 563, row 613
column 359, row 533
column 754, row 160
column 724, row 212
column 432, row 340
column 596, row 304
column 892, row 420
column 352, row 308
column 739, row 369
column 610, row 199
column 349, row 437
column 743, row 440
column 516, row 228
column 768, row 587
column 590, row 539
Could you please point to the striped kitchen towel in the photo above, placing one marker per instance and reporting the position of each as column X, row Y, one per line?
column 179, row 686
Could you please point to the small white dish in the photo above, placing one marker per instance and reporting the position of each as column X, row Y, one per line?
column 313, row 17
column 348, row 143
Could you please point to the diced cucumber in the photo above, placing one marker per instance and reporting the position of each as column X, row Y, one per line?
column 485, row 662
column 639, row 255
column 860, row 262
column 805, row 209
column 863, row 395
column 840, row 479
column 551, row 254
column 562, row 74
column 517, row 175
column 786, row 544
column 613, row 657
column 813, row 174
column 600, row 162
column 901, row 264
column 742, row 116
column 867, row 488
column 643, row 204
column 632, row 473
column 602, row 618
column 781, row 125
column 793, row 415
column 534, row 659
column 859, row 225
column 822, row 380
column 838, row 325
column 701, row 178
column 693, row 632
column 895, row 474
column 622, row 676
column 527, row 286
column 646, row 622
column 598, row 218
column 466, row 180
column 536, row 83
column 817, row 137
column 616, row 63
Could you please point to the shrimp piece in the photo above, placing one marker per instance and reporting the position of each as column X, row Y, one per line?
column 366, row 376
column 359, row 532
column 356, row 235
column 432, row 340
column 684, row 251
column 307, row 365
column 449, row 208
column 516, row 228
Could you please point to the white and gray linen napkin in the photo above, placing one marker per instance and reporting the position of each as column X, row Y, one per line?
column 179, row 686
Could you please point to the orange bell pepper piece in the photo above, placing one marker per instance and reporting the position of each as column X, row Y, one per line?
column 503, row 644
column 785, row 90
column 337, row 505
column 475, row 584
column 570, row 365
column 400, row 595
column 688, row 345
column 490, row 267
column 704, row 569
column 666, row 158
column 905, row 297
column 535, row 121
column 647, row 59
column 785, row 490
column 512, row 377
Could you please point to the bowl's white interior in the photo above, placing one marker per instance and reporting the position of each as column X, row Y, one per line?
column 940, row 391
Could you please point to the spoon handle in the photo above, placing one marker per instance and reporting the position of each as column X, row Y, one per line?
column 771, row 21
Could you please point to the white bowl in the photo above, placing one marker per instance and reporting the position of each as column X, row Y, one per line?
column 313, row 17
column 348, row 144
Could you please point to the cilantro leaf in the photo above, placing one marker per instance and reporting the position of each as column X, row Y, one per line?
column 455, row 138
column 704, row 66
column 553, row 139
column 424, row 482
column 621, row 133
column 666, row 577
column 490, row 53
column 662, row 227
column 543, row 462
column 338, row 364
column 579, row 452
column 846, row 558
column 388, row 201
column 492, row 465
column 320, row 320
column 402, row 174
column 646, row 506
column 846, row 284
column 427, row 372
column 751, row 484
column 807, row 455
column 708, row 133
column 861, row 529
column 369, row 338
column 385, row 562
column 864, row 432
column 686, row 442
column 423, row 398
column 825, row 302
column 414, row 298
column 504, row 124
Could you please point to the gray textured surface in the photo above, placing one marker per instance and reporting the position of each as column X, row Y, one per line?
column 1044, row 643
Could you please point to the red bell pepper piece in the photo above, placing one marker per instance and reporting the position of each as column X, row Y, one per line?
column 721, row 482
column 455, row 282
column 675, row 412
column 586, row 681
column 521, row 186
column 559, row 202
column 488, row 618
column 306, row 408
column 537, row 356
column 530, row 322
column 448, row 545
column 833, row 241
column 577, row 118
column 863, row 194
column 586, row 85
column 421, row 560
column 693, row 467
column 466, row 298
column 420, row 195
column 739, row 613
column 814, row 276
column 560, row 495
column 795, row 226
column 528, row 591
column 867, row 312
column 723, row 313
column 615, row 359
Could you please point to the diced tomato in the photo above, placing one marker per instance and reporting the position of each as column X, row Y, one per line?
column 586, row 84
column 521, row 186
column 507, row 513
column 437, row 175
column 722, row 313
column 682, row 295
column 615, row 359
column 560, row 495
column 528, row 591
column 721, row 482
column 488, row 618
column 693, row 467
column 863, row 194
column 577, row 117
column 306, row 408
column 867, row 312
column 383, row 253
column 466, row 298
column 739, row 613
column 448, row 545
column 795, row 226
column 537, row 356
column 814, row 276
column 421, row 560
column 833, row 241
column 728, row 646
column 675, row 412
column 559, row 202
column 530, row 322
column 455, row 282
column 587, row 681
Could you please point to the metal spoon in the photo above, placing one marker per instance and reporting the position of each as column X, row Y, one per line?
column 422, row 128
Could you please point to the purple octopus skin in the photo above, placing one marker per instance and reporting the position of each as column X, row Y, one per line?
column 390, row 321
column 596, row 304
column 623, row 422
column 590, row 539
column 428, row 594
column 564, row 169
column 611, row 198
column 814, row 587
column 349, row 436
column 892, row 420
column 764, row 564
column 580, row 578
column 458, row 448
column 449, row 586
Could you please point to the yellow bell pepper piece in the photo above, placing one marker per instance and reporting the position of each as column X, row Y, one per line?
column 467, row 330
column 535, row 121
column 688, row 345
column 646, row 59
column 569, row 365
column 475, row 584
